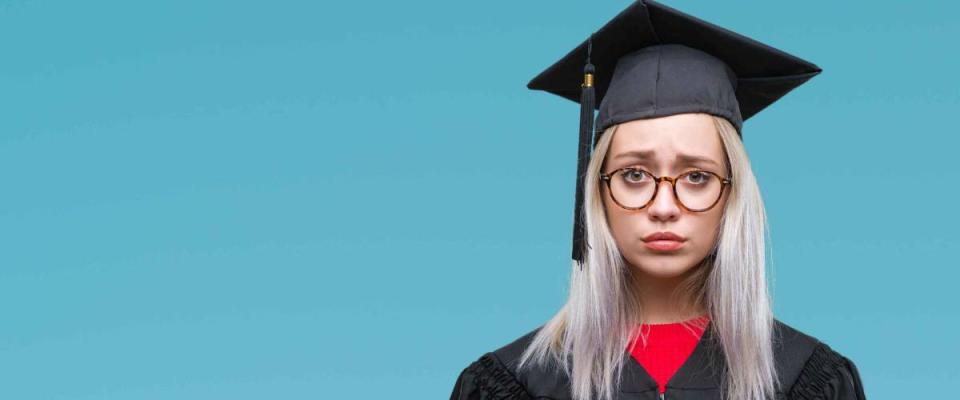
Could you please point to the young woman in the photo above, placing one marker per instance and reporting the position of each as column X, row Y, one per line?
column 668, row 296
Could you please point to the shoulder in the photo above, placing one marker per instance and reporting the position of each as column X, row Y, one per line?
column 494, row 375
column 811, row 369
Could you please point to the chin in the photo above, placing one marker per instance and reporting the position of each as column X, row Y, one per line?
column 663, row 266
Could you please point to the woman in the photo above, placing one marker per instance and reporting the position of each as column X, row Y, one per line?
column 668, row 295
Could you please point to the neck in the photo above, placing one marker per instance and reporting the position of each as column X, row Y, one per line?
column 661, row 301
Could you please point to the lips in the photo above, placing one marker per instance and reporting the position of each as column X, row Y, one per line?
column 664, row 241
column 663, row 245
column 663, row 236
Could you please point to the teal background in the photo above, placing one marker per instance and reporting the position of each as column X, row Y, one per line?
column 322, row 200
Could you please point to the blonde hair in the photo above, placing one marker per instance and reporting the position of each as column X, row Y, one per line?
column 589, row 335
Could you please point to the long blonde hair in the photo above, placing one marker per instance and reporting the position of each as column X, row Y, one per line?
column 589, row 334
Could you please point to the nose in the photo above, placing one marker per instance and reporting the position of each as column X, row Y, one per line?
column 664, row 206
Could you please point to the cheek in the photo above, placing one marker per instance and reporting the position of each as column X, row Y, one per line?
column 707, row 226
column 623, row 223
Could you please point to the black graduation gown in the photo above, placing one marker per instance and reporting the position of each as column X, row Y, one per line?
column 808, row 368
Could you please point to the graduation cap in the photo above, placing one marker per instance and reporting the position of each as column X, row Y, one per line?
column 652, row 61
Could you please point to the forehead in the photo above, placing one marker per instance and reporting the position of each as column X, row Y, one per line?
column 668, row 139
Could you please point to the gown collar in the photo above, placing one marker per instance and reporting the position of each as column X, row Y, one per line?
column 701, row 370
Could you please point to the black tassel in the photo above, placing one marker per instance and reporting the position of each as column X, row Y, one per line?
column 587, row 100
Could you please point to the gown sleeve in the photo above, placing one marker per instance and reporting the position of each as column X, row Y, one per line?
column 828, row 375
column 487, row 379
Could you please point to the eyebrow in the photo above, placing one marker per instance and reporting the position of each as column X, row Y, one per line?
column 683, row 158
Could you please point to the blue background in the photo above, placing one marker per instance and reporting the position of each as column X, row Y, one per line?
column 302, row 200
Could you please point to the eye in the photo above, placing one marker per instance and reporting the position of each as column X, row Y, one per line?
column 634, row 175
column 698, row 177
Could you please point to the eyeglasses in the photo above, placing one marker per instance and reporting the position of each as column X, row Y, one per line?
column 633, row 188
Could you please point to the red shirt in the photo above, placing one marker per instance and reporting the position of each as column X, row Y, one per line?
column 667, row 347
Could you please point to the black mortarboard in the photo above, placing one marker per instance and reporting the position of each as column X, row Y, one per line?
column 652, row 60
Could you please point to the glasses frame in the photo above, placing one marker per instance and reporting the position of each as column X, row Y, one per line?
column 724, row 182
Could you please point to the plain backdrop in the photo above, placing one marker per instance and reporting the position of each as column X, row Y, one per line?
column 355, row 200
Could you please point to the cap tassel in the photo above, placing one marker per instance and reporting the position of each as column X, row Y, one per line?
column 587, row 99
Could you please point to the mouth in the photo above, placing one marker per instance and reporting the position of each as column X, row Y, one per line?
column 664, row 235
column 663, row 245
column 664, row 241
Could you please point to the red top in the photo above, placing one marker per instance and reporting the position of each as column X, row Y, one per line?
column 667, row 347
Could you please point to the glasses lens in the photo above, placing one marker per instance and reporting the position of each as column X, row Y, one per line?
column 698, row 190
column 634, row 188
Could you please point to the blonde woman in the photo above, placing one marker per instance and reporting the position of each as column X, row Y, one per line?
column 668, row 296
